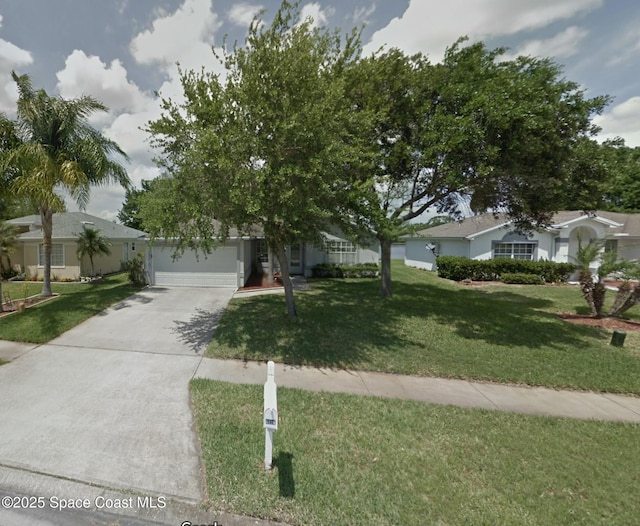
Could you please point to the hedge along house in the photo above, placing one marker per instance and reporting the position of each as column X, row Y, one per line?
column 489, row 236
column 126, row 243
column 242, row 256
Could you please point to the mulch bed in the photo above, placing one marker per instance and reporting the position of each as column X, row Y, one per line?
column 603, row 323
column 30, row 302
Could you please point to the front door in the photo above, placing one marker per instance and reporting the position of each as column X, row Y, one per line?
column 295, row 259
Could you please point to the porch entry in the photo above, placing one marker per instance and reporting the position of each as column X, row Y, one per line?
column 265, row 259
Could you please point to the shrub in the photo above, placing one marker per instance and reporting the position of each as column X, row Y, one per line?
column 521, row 279
column 135, row 270
column 332, row 270
column 460, row 268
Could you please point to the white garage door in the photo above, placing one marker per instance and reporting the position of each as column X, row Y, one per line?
column 218, row 269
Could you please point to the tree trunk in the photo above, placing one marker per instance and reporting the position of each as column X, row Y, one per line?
column 632, row 300
column 46, row 215
column 281, row 253
column 1, row 298
column 385, row 278
column 623, row 294
column 599, row 292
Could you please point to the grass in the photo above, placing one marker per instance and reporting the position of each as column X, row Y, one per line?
column 432, row 327
column 344, row 459
column 76, row 303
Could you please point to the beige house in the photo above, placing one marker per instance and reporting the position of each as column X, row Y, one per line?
column 126, row 243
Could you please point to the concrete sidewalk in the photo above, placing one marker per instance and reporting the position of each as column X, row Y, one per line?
column 463, row 393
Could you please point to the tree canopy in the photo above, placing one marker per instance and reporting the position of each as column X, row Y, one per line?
column 269, row 145
column 477, row 130
column 303, row 133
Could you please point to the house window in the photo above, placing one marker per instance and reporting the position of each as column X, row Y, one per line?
column 262, row 251
column 340, row 252
column 514, row 250
column 57, row 255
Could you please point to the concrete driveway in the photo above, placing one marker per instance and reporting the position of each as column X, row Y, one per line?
column 107, row 403
column 156, row 320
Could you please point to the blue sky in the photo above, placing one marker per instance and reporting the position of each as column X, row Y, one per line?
column 124, row 51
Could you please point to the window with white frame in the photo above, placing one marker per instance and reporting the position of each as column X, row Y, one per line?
column 514, row 250
column 340, row 252
column 57, row 255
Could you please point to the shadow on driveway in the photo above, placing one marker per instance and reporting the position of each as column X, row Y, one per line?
column 198, row 331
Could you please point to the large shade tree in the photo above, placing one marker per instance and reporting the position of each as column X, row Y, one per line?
column 269, row 145
column 57, row 149
column 474, row 131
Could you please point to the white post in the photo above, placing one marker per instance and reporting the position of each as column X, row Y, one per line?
column 270, row 415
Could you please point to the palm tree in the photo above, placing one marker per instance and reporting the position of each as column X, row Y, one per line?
column 7, row 246
column 59, row 150
column 91, row 243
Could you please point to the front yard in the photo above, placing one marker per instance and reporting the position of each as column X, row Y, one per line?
column 76, row 303
column 433, row 327
column 344, row 459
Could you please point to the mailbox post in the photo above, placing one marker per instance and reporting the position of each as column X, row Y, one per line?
column 270, row 415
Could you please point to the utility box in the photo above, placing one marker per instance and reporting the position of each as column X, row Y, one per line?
column 617, row 338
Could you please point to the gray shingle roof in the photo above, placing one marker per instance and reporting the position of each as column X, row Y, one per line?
column 67, row 225
column 476, row 224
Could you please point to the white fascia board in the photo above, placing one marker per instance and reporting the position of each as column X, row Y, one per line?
column 597, row 219
column 471, row 237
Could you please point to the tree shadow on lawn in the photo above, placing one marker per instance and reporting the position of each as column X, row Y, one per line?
column 345, row 323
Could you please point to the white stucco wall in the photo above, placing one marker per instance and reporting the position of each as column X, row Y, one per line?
column 419, row 256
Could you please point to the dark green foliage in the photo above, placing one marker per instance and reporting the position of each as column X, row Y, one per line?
column 330, row 270
column 129, row 214
column 135, row 270
column 519, row 278
column 460, row 268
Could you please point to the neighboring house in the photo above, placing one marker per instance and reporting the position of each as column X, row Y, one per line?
column 29, row 255
column 233, row 263
column 487, row 237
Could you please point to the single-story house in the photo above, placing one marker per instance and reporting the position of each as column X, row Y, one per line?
column 126, row 243
column 489, row 236
column 233, row 263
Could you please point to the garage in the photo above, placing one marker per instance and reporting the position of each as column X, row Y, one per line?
column 218, row 269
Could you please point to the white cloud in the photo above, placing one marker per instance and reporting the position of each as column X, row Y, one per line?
column 623, row 120
column 362, row 14
column 314, row 11
column 84, row 75
column 242, row 14
column 429, row 26
column 564, row 44
column 11, row 58
column 185, row 36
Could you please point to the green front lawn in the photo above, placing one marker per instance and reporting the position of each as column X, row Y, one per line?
column 344, row 459
column 432, row 327
column 76, row 303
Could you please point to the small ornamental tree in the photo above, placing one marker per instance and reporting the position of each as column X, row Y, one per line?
column 592, row 286
column 91, row 243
